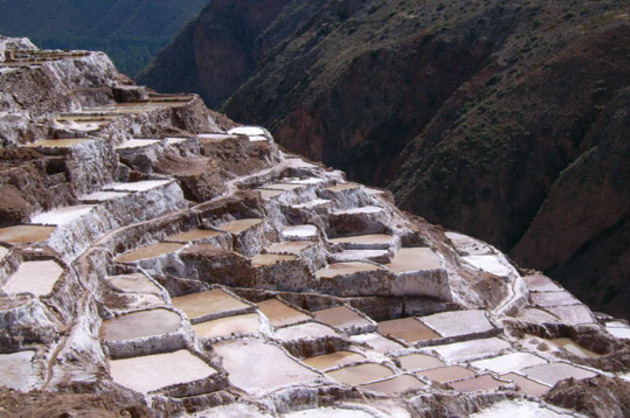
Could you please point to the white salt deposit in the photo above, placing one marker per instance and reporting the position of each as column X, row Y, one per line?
column 454, row 323
column 359, row 210
column 619, row 332
column 36, row 277
column 509, row 363
column 312, row 204
column 61, row 216
column 490, row 263
column 470, row 349
column 16, row 370
column 255, row 133
column 136, row 143
column 552, row 373
column 520, row 408
column 299, row 231
column 138, row 186
column 331, row 412
column 377, row 342
column 102, row 196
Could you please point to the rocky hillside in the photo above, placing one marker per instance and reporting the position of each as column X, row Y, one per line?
column 158, row 259
column 502, row 119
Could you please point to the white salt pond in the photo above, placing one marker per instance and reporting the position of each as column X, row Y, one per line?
column 370, row 241
column 466, row 245
column 62, row 216
column 290, row 247
column 552, row 373
column 199, row 306
column 540, row 283
column 546, row 299
column 299, row 232
column 16, row 370
column 240, row 225
column 409, row 260
column 526, row 385
column 98, row 197
column 138, row 186
column 280, row 314
column 360, row 255
column 305, row 331
column 330, row 412
column 281, row 186
column 359, row 210
column 491, row 264
column 344, row 269
column 536, row 315
column 136, row 143
column 255, row 133
column 575, row 314
column 520, row 408
column 317, row 203
column 229, row 326
column 622, row 331
column 260, row 368
column 267, row 194
column 149, row 373
column 470, row 349
column 25, row 234
column 509, row 362
column 140, row 325
column 377, row 342
column 36, row 277
column 455, row 323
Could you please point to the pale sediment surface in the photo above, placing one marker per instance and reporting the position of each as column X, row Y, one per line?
column 229, row 326
column 136, row 283
column 150, row 251
column 238, row 226
column 279, row 314
column 343, row 269
column 520, row 408
column 361, row 373
column 36, row 277
column 16, row 370
column 148, row 373
column 552, row 373
column 200, row 305
column 140, row 324
column 470, row 349
column 447, row 374
column 193, row 235
column 408, row 329
column 509, row 362
column 25, row 234
column 62, row 216
column 414, row 259
column 338, row 358
column 449, row 324
column 395, row 385
column 417, row 361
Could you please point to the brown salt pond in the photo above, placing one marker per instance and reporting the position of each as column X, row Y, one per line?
column 456, row 323
column 193, row 235
column 407, row 329
column 200, row 306
column 290, row 247
column 136, row 143
column 240, row 225
column 259, row 368
column 25, row 234
column 396, row 385
column 526, row 385
column 140, row 325
column 150, row 251
column 413, row 362
column 552, row 373
column 338, row 358
column 280, row 314
column 134, row 283
column 261, row 260
column 447, row 374
column 342, row 317
column 58, row 143
column 36, row 277
column 409, row 260
column 148, row 373
column 266, row 194
column 344, row 269
column 573, row 348
column 372, row 241
column 361, row 373
column 479, row 383
column 229, row 326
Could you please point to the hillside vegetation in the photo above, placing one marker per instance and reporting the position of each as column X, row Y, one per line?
column 504, row 119
column 130, row 31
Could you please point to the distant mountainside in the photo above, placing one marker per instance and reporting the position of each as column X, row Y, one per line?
column 507, row 120
column 130, row 31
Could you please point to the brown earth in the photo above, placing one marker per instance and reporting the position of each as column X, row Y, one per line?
column 600, row 397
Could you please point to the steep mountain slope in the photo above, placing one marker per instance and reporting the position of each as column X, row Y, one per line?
column 476, row 114
column 131, row 31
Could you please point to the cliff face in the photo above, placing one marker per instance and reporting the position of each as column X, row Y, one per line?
column 471, row 114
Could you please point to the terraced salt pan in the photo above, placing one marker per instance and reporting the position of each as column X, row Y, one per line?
column 343, row 318
column 208, row 305
column 140, row 325
column 468, row 350
column 259, row 368
column 300, row 232
column 370, row 241
column 447, row 374
column 240, row 225
column 407, row 329
column 619, row 331
column 308, row 181
column 342, row 187
column 328, row 361
column 364, row 210
column 490, row 263
column 98, row 197
column 359, row 255
column 377, row 342
column 62, row 216
column 313, row 204
column 134, row 283
column 280, row 314
column 552, row 373
column 136, row 143
column 286, row 187
column 16, row 370
column 526, row 385
column 456, row 323
column 361, row 373
column 267, row 194
column 520, row 408
column 261, row 260
column 36, row 277
column 138, row 186
column 193, row 235
column 229, row 326
column 25, row 234
column 416, row 361
column 58, row 143
column 409, row 260
column 330, row 412
column 255, row 133
column 575, row 314
column 149, row 373
column 395, row 385
column 150, row 251
column 573, row 348
column 547, row 299
column 475, row 384
column 290, row 247
column 466, row 245
column 540, row 283
column 536, row 315
column 344, row 269
column 509, row 362
column 216, row 137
